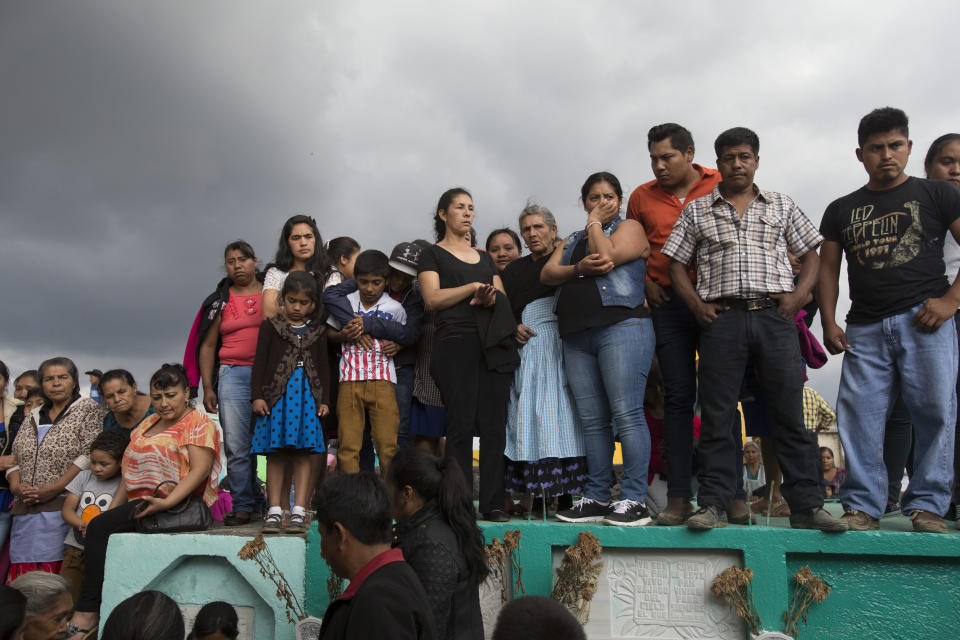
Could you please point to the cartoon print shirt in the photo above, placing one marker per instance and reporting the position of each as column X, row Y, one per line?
column 95, row 498
column 893, row 242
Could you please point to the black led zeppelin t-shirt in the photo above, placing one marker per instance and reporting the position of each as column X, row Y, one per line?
column 893, row 241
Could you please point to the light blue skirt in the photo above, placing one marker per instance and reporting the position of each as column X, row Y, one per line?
column 541, row 422
column 38, row 537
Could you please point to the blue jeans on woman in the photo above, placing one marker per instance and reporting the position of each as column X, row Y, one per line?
column 233, row 396
column 886, row 359
column 607, row 370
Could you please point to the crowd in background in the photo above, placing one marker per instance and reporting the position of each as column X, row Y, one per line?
column 653, row 336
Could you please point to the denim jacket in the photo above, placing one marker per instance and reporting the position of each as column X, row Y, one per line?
column 622, row 287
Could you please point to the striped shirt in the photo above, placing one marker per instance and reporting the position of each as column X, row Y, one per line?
column 358, row 364
column 741, row 257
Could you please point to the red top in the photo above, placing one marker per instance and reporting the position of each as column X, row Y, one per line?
column 393, row 555
column 657, row 210
column 239, row 324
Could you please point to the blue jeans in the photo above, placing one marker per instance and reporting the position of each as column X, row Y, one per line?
column 404, row 389
column 607, row 370
column 233, row 396
column 887, row 359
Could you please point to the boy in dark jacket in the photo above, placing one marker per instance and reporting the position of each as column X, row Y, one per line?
column 384, row 598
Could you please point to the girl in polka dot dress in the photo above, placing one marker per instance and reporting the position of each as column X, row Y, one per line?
column 290, row 388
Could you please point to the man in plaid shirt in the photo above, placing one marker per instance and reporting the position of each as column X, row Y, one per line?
column 745, row 301
column 817, row 414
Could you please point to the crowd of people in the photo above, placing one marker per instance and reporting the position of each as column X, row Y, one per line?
column 334, row 357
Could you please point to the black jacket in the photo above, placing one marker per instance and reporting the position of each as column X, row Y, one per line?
column 390, row 605
column 430, row 548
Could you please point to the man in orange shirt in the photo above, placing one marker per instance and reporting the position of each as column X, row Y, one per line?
column 657, row 205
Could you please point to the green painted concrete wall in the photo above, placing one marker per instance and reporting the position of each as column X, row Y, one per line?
column 197, row 568
column 886, row 584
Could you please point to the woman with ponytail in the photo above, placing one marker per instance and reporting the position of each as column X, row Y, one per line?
column 437, row 532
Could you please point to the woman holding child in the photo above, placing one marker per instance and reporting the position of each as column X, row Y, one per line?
column 475, row 352
column 178, row 444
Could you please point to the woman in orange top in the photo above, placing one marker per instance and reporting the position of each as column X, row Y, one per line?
column 177, row 443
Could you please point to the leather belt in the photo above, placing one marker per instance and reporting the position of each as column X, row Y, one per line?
column 748, row 304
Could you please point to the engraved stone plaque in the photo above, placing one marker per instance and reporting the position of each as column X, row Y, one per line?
column 662, row 594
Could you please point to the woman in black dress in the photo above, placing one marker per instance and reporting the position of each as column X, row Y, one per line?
column 475, row 353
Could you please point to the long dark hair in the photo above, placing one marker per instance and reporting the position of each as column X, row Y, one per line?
column 215, row 617
column 148, row 615
column 439, row 226
column 318, row 265
column 442, row 482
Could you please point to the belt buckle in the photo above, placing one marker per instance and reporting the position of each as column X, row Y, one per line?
column 756, row 304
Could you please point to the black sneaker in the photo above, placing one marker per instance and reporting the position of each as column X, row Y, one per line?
column 628, row 513
column 709, row 517
column 586, row 510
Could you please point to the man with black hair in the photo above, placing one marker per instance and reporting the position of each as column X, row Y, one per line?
column 657, row 206
column 897, row 339
column 384, row 598
column 745, row 302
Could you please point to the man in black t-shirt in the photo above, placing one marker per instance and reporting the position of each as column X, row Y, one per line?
column 892, row 232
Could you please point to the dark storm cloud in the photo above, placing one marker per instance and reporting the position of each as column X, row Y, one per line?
column 137, row 139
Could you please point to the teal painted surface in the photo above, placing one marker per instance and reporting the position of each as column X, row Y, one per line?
column 896, row 574
column 317, row 573
column 196, row 568
column 198, row 580
column 883, row 597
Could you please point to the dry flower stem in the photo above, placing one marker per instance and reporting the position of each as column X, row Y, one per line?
column 733, row 584
column 809, row 589
column 258, row 551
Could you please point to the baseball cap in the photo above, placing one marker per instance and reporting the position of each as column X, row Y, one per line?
column 405, row 257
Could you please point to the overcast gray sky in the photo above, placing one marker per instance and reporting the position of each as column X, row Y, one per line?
column 137, row 139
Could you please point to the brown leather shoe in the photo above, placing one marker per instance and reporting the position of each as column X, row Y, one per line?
column 779, row 509
column 676, row 512
column 860, row 521
column 739, row 513
column 926, row 522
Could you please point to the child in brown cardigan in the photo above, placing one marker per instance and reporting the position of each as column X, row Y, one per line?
column 290, row 390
